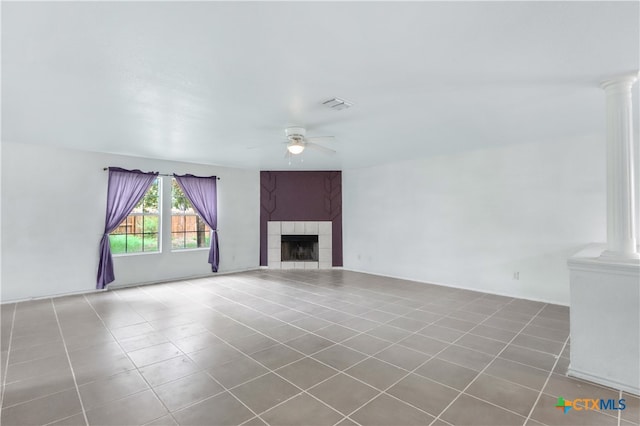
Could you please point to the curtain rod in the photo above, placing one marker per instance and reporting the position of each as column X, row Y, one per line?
column 159, row 174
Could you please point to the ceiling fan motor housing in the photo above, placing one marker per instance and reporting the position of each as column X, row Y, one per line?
column 295, row 133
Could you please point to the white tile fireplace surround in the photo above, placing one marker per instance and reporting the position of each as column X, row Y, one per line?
column 275, row 231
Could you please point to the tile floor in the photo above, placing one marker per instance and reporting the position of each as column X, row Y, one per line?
column 292, row 348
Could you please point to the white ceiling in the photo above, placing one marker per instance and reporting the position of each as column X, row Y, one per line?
column 202, row 82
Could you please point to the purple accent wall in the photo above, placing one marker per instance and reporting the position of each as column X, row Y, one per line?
column 301, row 196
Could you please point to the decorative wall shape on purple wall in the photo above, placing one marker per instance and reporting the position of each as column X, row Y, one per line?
column 301, row 196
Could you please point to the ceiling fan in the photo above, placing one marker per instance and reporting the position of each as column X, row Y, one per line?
column 297, row 141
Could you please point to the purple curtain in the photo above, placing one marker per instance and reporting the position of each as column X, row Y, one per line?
column 126, row 188
column 202, row 193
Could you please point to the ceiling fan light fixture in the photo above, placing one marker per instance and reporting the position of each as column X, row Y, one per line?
column 295, row 148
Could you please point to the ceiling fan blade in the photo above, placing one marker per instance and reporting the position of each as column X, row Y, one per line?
column 320, row 148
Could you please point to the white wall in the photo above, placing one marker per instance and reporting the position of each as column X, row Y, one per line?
column 473, row 219
column 53, row 211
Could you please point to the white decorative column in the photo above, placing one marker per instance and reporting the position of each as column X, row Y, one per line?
column 621, row 218
column 605, row 285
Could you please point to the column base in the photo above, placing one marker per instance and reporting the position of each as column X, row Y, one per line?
column 618, row 257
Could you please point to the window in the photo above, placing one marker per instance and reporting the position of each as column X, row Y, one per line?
column 138, row 233
column 188, row 230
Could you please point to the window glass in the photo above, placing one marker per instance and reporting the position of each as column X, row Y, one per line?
column 188, row 230
column 139, row 231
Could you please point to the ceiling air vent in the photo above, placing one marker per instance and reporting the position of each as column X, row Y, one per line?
column 337, row 104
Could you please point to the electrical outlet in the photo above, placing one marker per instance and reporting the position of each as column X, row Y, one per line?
column 516, row 275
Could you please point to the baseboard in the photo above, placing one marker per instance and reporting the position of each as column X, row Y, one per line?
column 458, row 287
column 603, row 381
column 186, row 278
column 114, row 287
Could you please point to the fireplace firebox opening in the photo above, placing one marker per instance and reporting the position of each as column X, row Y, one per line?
column 300, row 248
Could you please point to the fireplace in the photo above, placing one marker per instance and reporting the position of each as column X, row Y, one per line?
column 299, row 248
column 299, row 245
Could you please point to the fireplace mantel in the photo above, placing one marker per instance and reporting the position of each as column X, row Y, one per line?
column 275, row 231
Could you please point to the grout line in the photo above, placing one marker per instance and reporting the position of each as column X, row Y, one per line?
column 73, row 374
column 501, row 306
column 129, row 358
column 271, row 371
column 523, row 326
column 482, row 371
column 423, row 363
column 228, row 390
column 296, row 298
column 619, row 411
column 6, row 365
column 367, row 356
column 192, row 403
column 533, row 407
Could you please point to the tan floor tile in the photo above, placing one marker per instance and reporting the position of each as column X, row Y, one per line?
column 570, row 388
column 539, row 344
column 215, row 356
column 632, row 411
column 402, row 357
column 376, row 373
column 32, row 353
column 158, row 324
column 423, row 393
column 504, row 394
column 301, row 410
column 187, row 390
column 276, row 356
column 30, row 369
column 518, row 373
column 103, row 391
column 465, row 357
column 385, row 411
column 423, row 344
column 75, row 420
column 447, row 373
column 309, row 344
column 134, row 409
column 221, row 410
column 366, row 344
column 284, row 333
column 493, row 333
column 154, row 354
column 237, row 371
column 389, row 333
column 306, row 372
column 37, row 387
column 163, row 421
column 265, row 392
column 344, row 393
column 339, row 357
column 253, row 343
column 441, row 333
column 467, row 410
column 171, row 369
column 481, row 344
column 43, row 410
column 197, row 342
